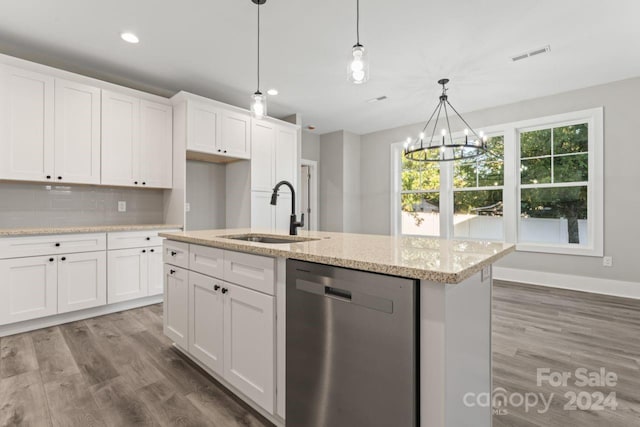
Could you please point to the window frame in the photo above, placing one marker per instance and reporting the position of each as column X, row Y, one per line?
column 512, row 187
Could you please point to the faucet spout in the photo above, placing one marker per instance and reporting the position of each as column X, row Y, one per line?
column 293, row 222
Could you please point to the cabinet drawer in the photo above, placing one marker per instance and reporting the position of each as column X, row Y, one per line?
column 133, row 239
column 176, row 253
column 205, row 260
column 252, row 271
column 16, row 247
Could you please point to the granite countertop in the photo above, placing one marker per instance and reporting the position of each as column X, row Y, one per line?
column 16, row 232
column 437, row 260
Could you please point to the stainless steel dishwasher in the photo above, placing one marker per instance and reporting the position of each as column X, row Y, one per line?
column 352, row 355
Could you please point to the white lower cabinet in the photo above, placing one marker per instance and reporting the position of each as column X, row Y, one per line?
column 28, row 288
column 227, row 327
column 82, row 281
column 128, row 275
column 176, row 305
column 249, row 343
column 155, row 271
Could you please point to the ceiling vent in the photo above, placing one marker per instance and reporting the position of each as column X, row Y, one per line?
column 531, row 53
column 378, row 99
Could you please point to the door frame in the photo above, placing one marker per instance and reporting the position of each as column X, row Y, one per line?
column 313, row 193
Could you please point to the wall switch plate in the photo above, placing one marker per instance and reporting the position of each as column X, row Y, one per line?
column 122, row 206
column 607, row 261
column 187, row 207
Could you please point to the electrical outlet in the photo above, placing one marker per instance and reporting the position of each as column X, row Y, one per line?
column 122, row 206
column 187, row 207
column 486, row 273
column 607, row 261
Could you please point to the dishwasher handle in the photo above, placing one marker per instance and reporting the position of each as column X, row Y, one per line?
column 337, row 292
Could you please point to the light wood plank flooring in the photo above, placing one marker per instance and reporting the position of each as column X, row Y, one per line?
column 115, row 370
column 119, row 370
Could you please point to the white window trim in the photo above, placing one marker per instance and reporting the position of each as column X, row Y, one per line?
column 511, row 189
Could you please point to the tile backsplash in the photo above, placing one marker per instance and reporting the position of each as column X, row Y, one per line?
column 39, row 205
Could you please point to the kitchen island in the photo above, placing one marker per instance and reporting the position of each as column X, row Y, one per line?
column 245, row 281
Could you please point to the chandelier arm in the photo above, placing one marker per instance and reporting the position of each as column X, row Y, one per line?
column 446, row 114
column 431, row 117
column 435, row 125
column 463, row 120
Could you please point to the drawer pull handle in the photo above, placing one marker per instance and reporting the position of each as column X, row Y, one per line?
column 225, row 290
column 172, row 272
column 173, row 253
column 51, row 259
column 151, row 250
column 216, row 287
column 48, row 176
column 57, row 245
column 144, row 251
column 59, row 177
column 148, row 238
column 63, row 258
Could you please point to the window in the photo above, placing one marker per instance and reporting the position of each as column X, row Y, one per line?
column 540, row 186
column 478, row 194
column 420, row 198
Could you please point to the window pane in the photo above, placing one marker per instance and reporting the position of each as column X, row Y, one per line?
column 464, row 174
column 535, row 143
column 554, row 215
column 535, row 171
column 495, row 146
column 478, row 214
column 571, row 139
column 490, row 173
column 421, row 214
column 573, row 168
column 419, row 175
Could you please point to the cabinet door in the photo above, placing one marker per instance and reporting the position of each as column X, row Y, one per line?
column 203, row 127
column 26, row 125
column 286, row 158
column 128, row 275
column 156, row 145
column 206, row 337
column 261, row 211
column 176, row 305
column 120, row 139
column 156, row 271
column 282, row 212
column 235, row 131
column 82, row 281
column 263, row 136
column 77, row 134
column 28, row 288
column 249, row 344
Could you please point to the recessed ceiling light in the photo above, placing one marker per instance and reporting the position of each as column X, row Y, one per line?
column 272, row 92
column 311, row 127
column 129, row 38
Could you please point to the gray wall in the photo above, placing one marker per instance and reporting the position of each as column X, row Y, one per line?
column 351, row 183
column 38, row 205
column 621, row 176
column 206, row 187
column 331, row 182
column 310, row 146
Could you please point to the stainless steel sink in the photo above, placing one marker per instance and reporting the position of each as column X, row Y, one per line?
column 262, row 238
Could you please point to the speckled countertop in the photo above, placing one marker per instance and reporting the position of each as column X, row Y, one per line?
column 438, row 260
column 16, row 232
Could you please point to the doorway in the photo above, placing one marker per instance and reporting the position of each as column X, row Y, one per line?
column 309, row 193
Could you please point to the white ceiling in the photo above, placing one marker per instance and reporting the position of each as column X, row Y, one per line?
column 208, row 47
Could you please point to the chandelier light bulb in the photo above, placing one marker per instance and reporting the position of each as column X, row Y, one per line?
column 421, row 135
column 444, row 132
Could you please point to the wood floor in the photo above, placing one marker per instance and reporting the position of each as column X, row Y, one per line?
column 116, row 370
column 119, row 370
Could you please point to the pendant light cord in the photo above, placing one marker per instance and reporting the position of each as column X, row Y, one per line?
column 258, row 90
column 357, row 22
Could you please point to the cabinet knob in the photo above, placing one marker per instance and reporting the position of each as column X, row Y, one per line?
column 51, row 259
column 225, row 151
column 216, row 287
column 59, row 177
column 144, row 183
column 151, row 250
column 48, row 176
column 172, row 271
column 173, row 253
column 63, row 258
column 224, row 290
column 148, row 238
column 144, row 251
column 57, row 245
column 135, row 182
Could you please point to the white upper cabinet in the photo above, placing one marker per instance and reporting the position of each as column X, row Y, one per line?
column 77, row 133
column 120, row 139
column 26, row 125
column 262, row 155
column 203, row 126
column 235, row 135
column 156, row 144
column 136, row 142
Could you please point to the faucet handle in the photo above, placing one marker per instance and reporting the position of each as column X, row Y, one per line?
column 302, row 220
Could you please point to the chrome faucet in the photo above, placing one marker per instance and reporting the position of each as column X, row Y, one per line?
column 293, row 221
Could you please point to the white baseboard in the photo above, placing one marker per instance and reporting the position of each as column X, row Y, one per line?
column 594, row 285
column 59, row 319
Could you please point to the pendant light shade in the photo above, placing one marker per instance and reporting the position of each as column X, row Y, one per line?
column 358, row 67
column 258, row 104
column 436, row 143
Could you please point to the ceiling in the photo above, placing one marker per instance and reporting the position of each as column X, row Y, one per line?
column 208, row 48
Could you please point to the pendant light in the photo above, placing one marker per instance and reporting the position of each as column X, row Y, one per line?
column 358, row 68
column 437, row 143
column 258, row 99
